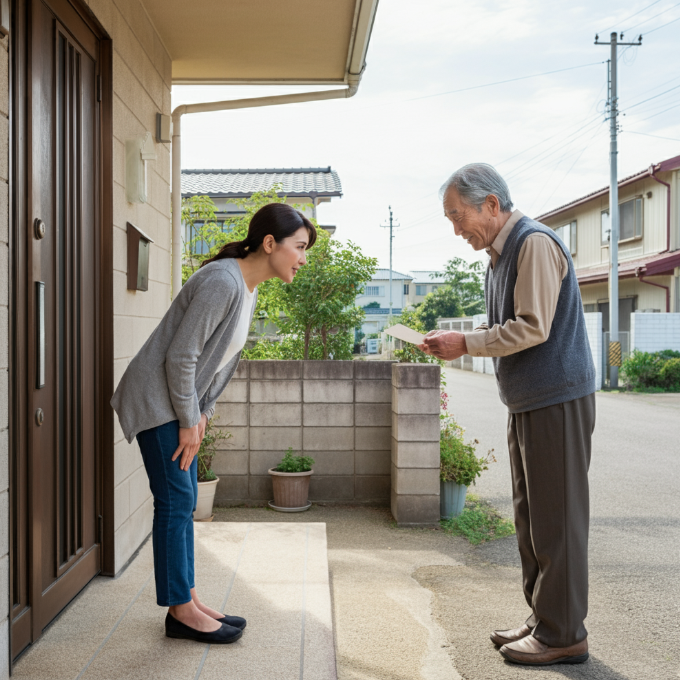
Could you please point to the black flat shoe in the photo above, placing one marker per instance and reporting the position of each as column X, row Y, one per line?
column 221, row 636
column 234, row 621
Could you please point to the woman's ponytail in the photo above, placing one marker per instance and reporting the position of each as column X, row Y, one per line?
column 278, row 219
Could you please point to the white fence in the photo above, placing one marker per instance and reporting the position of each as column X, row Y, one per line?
column 654, row 332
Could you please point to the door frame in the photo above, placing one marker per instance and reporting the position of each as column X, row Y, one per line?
column 21, row 305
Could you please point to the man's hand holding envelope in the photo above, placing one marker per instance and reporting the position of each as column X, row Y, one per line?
column 447, row 345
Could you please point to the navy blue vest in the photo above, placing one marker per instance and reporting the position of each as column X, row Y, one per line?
column 559, row 369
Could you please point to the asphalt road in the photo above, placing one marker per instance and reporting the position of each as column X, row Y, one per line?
column 633, row 621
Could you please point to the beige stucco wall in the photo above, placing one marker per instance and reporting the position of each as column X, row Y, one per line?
column 141, row 84
column 591, row 253
column 4, row 359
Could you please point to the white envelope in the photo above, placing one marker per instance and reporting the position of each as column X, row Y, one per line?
column 406, row 334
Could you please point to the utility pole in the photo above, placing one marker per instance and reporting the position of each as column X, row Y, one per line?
column 614, row 349
column 391, row 225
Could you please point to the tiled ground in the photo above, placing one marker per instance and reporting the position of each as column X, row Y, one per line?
column 275, row 574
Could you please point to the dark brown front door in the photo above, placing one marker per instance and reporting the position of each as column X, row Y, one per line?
column 56, row 524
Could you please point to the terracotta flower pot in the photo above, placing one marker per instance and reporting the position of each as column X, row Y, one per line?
column 206, row 498
column 291, row 490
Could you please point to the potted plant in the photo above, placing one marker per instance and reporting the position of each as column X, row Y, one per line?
column 459, row 467
column 207, row 479
column 290, row 479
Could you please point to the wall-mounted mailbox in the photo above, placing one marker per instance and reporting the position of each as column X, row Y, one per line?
column 139, row 245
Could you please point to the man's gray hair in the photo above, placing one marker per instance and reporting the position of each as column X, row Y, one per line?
column 476, row 181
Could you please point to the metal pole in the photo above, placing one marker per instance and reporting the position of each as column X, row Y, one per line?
column 614, row 44
column 390, row 317
column 613, row 212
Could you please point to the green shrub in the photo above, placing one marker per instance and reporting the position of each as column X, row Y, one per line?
column 458, row 460
column 207, row 451
column 653, row 371
column 293, row 463
column 479, row 522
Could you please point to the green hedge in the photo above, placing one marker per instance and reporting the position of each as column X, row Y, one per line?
column 653, row 371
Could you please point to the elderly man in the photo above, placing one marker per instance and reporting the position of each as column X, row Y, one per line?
column 536, row 335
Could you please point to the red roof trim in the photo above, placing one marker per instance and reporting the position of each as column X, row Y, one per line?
column 657, row 265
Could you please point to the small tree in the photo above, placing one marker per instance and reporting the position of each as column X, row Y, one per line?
column 320, row 302
column 317, row 312
column 467, row 283
column 443, row 302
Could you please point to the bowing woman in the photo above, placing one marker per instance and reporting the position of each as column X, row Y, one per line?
column 167, row 396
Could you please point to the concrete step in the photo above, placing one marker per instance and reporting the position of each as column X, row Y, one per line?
column 274, row 574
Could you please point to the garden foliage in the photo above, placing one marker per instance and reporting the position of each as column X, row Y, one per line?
column 652, row 371
column 207, row 451
column 459, row 462
column 293, row 463
column 316, row 314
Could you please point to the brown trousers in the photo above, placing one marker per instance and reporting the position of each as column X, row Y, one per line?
column 549, row 458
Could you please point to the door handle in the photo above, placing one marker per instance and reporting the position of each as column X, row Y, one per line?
column 40, row 334
column 39, row 417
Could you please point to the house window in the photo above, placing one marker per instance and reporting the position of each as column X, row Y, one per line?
column 406, row 289
column 375, row 291
column 630, row 221
column 589, row 308
column 421, row 289
column 567, row 234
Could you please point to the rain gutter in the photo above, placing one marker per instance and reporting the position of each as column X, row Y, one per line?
column 652, row 170
column 356, row 64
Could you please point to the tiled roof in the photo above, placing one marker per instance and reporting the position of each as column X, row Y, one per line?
column 424, row 277
column 242, row 183
column 384, row 274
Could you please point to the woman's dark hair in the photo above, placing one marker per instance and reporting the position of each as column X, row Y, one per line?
column 278, row 219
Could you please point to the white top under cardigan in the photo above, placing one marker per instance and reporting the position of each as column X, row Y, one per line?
column 238, row 340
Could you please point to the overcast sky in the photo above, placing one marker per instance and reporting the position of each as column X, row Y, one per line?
column 399, row 138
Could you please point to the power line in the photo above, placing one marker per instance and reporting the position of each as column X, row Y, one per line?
column 632, row 106
column 502, row 82
column 656, row 2
column 658, row 28
column 668, row 9
column 659, row 113
column 583, row 130
column 646, row 134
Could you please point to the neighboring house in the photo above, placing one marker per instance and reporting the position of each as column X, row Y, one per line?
column 423, row 282
column 649, row 255
column 378, row 291
column 85, row 96
column 306, row 186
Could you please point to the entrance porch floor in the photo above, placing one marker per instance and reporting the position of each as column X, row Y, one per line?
column 275, row 574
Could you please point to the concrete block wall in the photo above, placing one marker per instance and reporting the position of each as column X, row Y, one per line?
column 595, row 340
column 337, row 412
column 4, row 356
column 142, row 78
column 654, row 332
column 414, row 495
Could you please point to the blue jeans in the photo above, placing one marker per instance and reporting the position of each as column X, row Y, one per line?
column 174, row 501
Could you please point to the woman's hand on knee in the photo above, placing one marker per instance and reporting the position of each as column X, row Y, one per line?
column 189, row 443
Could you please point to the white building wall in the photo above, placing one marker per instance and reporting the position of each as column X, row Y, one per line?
column 142, row 78
column 655, row 332
column 595, row 339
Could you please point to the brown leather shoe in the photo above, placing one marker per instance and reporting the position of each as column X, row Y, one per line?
column 504, row 637
column 532, row 652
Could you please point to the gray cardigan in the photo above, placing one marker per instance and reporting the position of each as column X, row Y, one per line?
column 173, row 376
